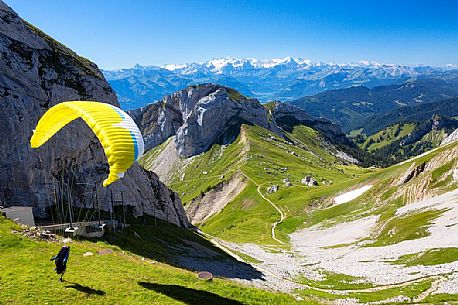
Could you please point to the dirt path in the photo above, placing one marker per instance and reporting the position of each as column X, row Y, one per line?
column 282, row 215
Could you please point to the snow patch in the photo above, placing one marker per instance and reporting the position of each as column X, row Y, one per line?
column 349, row 196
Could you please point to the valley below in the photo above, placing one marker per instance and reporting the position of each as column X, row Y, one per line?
column 337, row 184
column 337, row 260
column 313, row 224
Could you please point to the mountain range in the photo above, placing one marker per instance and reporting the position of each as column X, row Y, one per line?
column 359, row 106
column 249, row 202
column 266, row 80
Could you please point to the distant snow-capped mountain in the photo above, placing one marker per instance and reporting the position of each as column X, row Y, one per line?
column 270, row 79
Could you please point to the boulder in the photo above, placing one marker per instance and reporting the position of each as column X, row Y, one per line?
column 309, row 181
column 272, row 189
column 286, row 182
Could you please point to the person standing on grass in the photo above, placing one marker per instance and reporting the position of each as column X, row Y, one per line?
column 61, row 261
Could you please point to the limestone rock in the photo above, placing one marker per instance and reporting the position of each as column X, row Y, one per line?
column 309, row 181
column 37, row 72
column 286, row 182
column 412, row 172
column 451, row 138
column 200, row 116
column 272, row 189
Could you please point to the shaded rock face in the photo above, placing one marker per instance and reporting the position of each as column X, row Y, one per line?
column 287, row 116
column 203, row 115
column 412, row 172
column 37, row 73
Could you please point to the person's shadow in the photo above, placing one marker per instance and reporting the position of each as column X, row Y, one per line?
column 188, row 295
column 85, row 289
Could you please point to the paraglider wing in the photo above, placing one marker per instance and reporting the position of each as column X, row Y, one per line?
column 117, row 132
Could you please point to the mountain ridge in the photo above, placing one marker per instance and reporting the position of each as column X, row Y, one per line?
column 200, row 116
column 276, row 79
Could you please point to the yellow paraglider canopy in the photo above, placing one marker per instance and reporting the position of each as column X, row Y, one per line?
column 117, row 132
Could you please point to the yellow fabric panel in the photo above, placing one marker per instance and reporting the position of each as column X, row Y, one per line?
column 115, row 130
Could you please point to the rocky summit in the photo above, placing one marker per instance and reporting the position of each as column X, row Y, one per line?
column 37, row 72
column 208, row 114
column 199, row 116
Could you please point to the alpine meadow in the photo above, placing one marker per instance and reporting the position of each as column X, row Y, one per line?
column 228, row 152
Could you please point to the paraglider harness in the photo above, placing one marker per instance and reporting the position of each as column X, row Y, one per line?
column 61, row 261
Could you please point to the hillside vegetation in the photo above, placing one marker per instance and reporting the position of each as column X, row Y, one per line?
column 353, row 107
column 143, row 264
column 407, row 138
column 410, row 114
column 115, row 276
column 265, row 160
column 298, row 231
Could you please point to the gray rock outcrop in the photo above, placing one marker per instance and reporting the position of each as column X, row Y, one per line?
column 287, row 116
column 413, row 171
column 309, row 181
column 200, row 116
column 272, row 189
column 37, row 72
column 451, row 138
column 287, row 183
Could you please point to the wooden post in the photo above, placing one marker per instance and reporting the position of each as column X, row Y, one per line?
column 97, row 199
column 123, row 209
column 112, row 211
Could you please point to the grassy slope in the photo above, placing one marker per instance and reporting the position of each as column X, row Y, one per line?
column 247, row 218
column 401, row 141
column 383, row 198
column 429, row 257
column 207, row 170
column 409, row 291
column 406, row 227
column 124, row 278
column 118, row 278
column 266, row 160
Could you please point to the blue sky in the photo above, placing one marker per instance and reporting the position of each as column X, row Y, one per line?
column 120, row 34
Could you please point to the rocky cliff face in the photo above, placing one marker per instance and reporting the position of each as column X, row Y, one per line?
column 451, row 138
column 287, row 116
column 200, row 116
column 37, row 73
column 203, row 115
